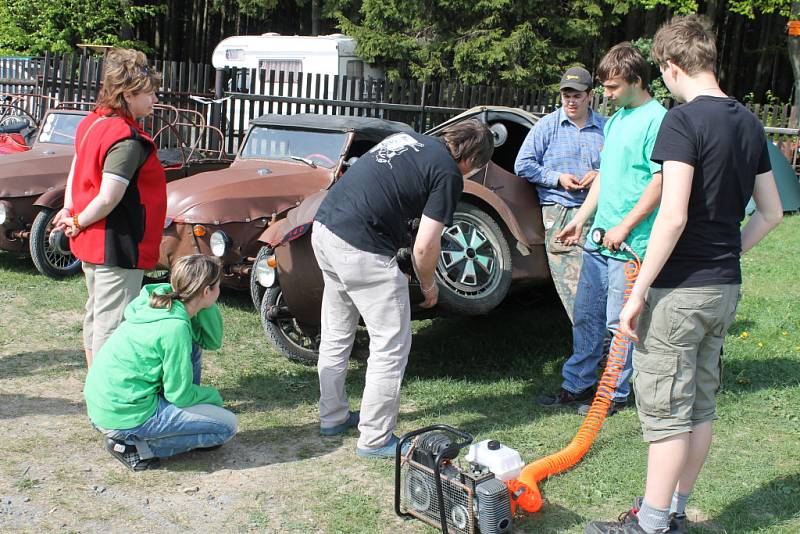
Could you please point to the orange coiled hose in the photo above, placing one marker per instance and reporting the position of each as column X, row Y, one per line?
column 524, row 490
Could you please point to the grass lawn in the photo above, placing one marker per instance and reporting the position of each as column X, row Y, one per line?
column 478, row 374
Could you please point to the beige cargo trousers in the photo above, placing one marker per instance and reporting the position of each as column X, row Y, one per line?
column 372, row 286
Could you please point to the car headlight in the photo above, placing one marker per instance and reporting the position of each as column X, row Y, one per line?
column 219, row 243
column 266, row 275
column 5, row 211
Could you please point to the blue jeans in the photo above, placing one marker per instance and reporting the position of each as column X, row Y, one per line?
column 172, row 430
column 598, row 301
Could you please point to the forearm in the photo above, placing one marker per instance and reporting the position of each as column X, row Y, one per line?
column 68, row 192
column 589, row 205
column 426, row 257
column 756, row 228
column 649, row 201
column 111, row 192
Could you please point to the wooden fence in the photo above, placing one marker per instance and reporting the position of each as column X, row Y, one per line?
column 229, row 98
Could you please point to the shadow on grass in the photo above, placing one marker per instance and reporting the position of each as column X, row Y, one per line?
column 17, row 262
column 745, row 376
column 33, row 363
column 776, row 501
column 258, row 448
column 13, row 406
column 741, row 325
column 552, row 518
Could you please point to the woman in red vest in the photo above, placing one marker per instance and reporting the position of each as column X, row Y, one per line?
column 116, row 196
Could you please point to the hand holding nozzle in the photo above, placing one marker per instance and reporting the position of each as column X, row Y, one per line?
column 601, row 238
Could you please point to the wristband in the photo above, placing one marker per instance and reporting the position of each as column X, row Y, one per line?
column 76, row 224
column 429, row 289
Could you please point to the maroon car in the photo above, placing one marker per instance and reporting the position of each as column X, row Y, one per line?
column 496, row 241
column 283, row 160
column 32, row 183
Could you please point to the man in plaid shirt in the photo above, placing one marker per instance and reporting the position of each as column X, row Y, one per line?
column 561, row 156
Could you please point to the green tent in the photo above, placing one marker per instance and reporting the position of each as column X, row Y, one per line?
column 785, row 178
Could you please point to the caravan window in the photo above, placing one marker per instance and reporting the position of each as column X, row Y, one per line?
column 281, row 65
column 355, row 69
column 323, row 148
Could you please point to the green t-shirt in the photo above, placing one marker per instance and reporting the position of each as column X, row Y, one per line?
column 125, row 158
column 626, row 170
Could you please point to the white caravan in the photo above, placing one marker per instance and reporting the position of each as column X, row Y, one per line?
column 326, row 54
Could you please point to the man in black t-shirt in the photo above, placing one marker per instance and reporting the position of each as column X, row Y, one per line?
column 714, row 157
column 359, row 227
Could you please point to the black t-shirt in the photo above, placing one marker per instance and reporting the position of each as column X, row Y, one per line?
column 403, row 177
column 726, row 145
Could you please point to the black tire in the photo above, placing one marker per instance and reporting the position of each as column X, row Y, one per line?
column 474, row 269
column 256, row 289
column 299, row 344
column 155, row 276
column 49, row 261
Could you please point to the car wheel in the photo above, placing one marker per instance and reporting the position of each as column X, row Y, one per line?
column 288, row 337
column 474, row 269
column 155, row 276
column 51, row 260
column 256, row 289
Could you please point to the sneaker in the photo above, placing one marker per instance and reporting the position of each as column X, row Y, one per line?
column 387, row 451
column 129, row 457
column 352, row 422
column 563, row 397
column 615, row 407
column 678, row 523
column 627, row 523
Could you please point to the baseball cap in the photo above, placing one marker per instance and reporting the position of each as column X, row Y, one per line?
column 576, row 78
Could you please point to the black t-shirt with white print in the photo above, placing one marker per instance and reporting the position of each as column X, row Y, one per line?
column 727, row 147
column 403, row 177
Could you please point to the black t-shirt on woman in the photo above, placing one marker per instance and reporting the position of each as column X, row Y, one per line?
column 403, row 177
column 727, row 147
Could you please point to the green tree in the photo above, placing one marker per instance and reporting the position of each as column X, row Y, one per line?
column 483, row 41
column 35, row 27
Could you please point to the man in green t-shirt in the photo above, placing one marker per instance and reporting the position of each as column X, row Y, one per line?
column 625, row 197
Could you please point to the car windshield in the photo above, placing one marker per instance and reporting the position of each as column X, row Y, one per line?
column 319, row 148
column 59, row 128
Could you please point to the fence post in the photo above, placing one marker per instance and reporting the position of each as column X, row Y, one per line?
column 423, row 103
column 219, row 84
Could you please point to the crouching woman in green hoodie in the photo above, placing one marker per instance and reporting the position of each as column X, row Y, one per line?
column 143, row 390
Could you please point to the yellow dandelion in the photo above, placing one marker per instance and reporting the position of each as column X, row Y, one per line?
column 744, row 335
column 760, row 345
column 784, row 333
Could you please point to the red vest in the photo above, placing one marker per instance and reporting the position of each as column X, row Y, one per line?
column 130, row 235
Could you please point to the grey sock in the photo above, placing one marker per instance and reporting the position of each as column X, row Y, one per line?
column 653, row 520
column 678, row 505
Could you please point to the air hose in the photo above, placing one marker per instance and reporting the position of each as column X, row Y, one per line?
column 524, row 489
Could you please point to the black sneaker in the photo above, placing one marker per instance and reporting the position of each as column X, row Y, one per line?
column 615, row 407
column 129, row 457
column 678, row 523
column 563, row 398
column 627, row 523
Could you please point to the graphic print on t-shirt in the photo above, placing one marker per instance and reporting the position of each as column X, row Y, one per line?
column 394, row 145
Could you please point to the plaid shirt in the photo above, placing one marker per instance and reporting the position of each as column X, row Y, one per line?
column 556, row 145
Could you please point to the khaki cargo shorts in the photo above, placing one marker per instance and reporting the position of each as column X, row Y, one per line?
column 676, row 364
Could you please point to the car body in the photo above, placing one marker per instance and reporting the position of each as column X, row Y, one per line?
column 32, row 183
column 496, row 241
column 283, row 160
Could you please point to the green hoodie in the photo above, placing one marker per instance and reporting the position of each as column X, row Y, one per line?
column 147, row 355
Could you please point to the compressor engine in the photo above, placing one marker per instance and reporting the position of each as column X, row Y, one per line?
column 430, row 486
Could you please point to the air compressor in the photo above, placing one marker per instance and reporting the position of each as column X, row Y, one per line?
column 485, row 492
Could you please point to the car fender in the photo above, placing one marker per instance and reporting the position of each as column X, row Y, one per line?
column 52, row 199
column 528, row 231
